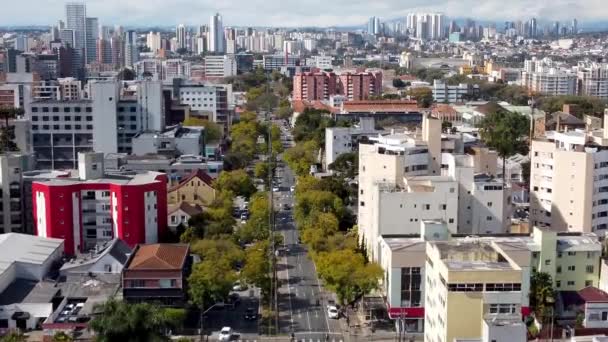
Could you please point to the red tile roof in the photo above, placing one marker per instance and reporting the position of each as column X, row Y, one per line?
column 381, row 106
column 301, row 105
column 200, row 174
column 593, row 294
column 159, row 256
column 442, row 108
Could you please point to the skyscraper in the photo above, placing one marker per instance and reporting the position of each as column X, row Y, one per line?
column 91, row 35
column 131, row 52
column 75, row 15
column 104, row 46
column 216, row 34
column 371, row 24
column 574, row 27
column 533, row 28
column 180, row 34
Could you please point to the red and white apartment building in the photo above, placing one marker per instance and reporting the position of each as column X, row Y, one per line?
column 94, row 207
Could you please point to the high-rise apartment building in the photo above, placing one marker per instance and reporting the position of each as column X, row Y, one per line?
column 427, row 26
column 75, row 13
column 569, row 180
column 544, row 77
column 360, row 85
column 217, row 40
column 153, row 41
column 180, row 34
column 593, row 79
column 314, row 86
column 131, row 50
column 217, row 67
column 91, row 36
column 104, row 45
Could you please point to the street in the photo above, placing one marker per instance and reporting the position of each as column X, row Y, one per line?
column 302, row 301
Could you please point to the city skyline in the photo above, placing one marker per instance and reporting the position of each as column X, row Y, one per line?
column 290, row 14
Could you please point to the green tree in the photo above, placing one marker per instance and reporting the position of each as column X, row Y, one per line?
column 13, row 336
column 238, row 182
column 313, row 202
column 61, row 336
column 302, row 156
column 126, row 74
column 219, row 249
column 422, row 95
column 210, row 282
column 346, row 273
column 120, row 321
column 213, row 131
column 541, row 291
column 505, row 132
column 346, row 165
column 257, row 267
column 7, row 133
column 256, row 228
column 398, row 83
column 284, row 112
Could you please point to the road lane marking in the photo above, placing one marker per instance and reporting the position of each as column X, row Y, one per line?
column 308, row 319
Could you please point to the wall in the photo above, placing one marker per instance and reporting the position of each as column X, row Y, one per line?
column 593, row 315
column 105, row 134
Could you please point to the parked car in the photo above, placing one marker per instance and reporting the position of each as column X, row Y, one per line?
column 332, row 312
column 251, row 314
column 238, row 286
column 225, row 334
column 275, row 189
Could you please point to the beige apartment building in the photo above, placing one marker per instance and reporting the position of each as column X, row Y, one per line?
column 569, row 180
column 475, row 290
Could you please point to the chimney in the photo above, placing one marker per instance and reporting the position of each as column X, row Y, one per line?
column 606, row 123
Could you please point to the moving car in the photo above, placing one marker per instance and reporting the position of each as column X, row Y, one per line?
column 251, row 314
column 332, row 312
column 225, row 334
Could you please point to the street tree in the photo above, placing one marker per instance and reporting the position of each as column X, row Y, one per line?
column 257, row 267
column 210, row 282
column 237, row 181
column 219, row 249
column 541, row 291
column 346, row 273
column 213, row 131
column 120, row 321
column 346, row 165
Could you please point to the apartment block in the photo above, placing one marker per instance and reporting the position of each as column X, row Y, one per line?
column 546, row 77
column 314, row 86
column 95, row 206
column 360, row 85
column 355, row 86
column 593, row 79
column 12, row 200
column 206, row 101
column 445, row 93
column 407, row 178
column 475, row 290
column 340, row 140
column 105, row 122
column 218, row 67
column 572, row 259
column 569, row 180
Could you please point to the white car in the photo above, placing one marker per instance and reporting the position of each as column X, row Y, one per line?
column 332, row 312
column 225, row 334
column 275, row 189
column 292, row 188
column 238, row 286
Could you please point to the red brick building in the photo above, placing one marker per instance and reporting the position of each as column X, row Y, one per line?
column 320, row 86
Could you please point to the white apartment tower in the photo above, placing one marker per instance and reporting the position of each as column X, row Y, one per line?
column 569, row 180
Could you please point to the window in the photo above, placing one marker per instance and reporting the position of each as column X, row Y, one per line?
column 67, row 110
column 77, row 109
column 503, row 308
column 590, row 255
column 500, row 287
column 558, row 283
column 571, row 268
column 411, row 280
column 571, row 283
column 45, row 109
column 571, row 253
column 132, row 109
column 589, row 269
column 55, row 118
column 34, row 109
column 68, row 127
column 137, row 283
column 427, row 207
column 588, row 283
column 89, row 110
column 490, row 204
column 548, row 262
column 45, row 118
column 451, row 220
column 604, row 315
column 89, row 118
column 558, row 269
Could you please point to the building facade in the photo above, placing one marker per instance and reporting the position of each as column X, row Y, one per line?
column 97, row 207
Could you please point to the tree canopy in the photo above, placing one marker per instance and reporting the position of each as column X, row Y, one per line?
column 213, row 131
column 238, row 182
column 120, row 321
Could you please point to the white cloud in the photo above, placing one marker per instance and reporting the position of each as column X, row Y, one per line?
column 296, row 12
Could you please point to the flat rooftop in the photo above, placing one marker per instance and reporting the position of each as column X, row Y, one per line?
column 24, row 248
column 471, row 255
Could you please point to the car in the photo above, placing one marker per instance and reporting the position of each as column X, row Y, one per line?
column 234, row 299
column 251, row 314
column 292, row 188
column 238, row 286
column 225, row 334
column 275, row 189
column 286, row 206
column 332, row 312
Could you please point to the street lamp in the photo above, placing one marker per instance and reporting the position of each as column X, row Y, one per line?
column 220, row 304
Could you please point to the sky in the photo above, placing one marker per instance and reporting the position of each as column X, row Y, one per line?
column 294, row 13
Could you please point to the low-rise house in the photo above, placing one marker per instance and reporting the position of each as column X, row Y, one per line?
column 196, row 189
column 157, row 273
column 181, row 214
